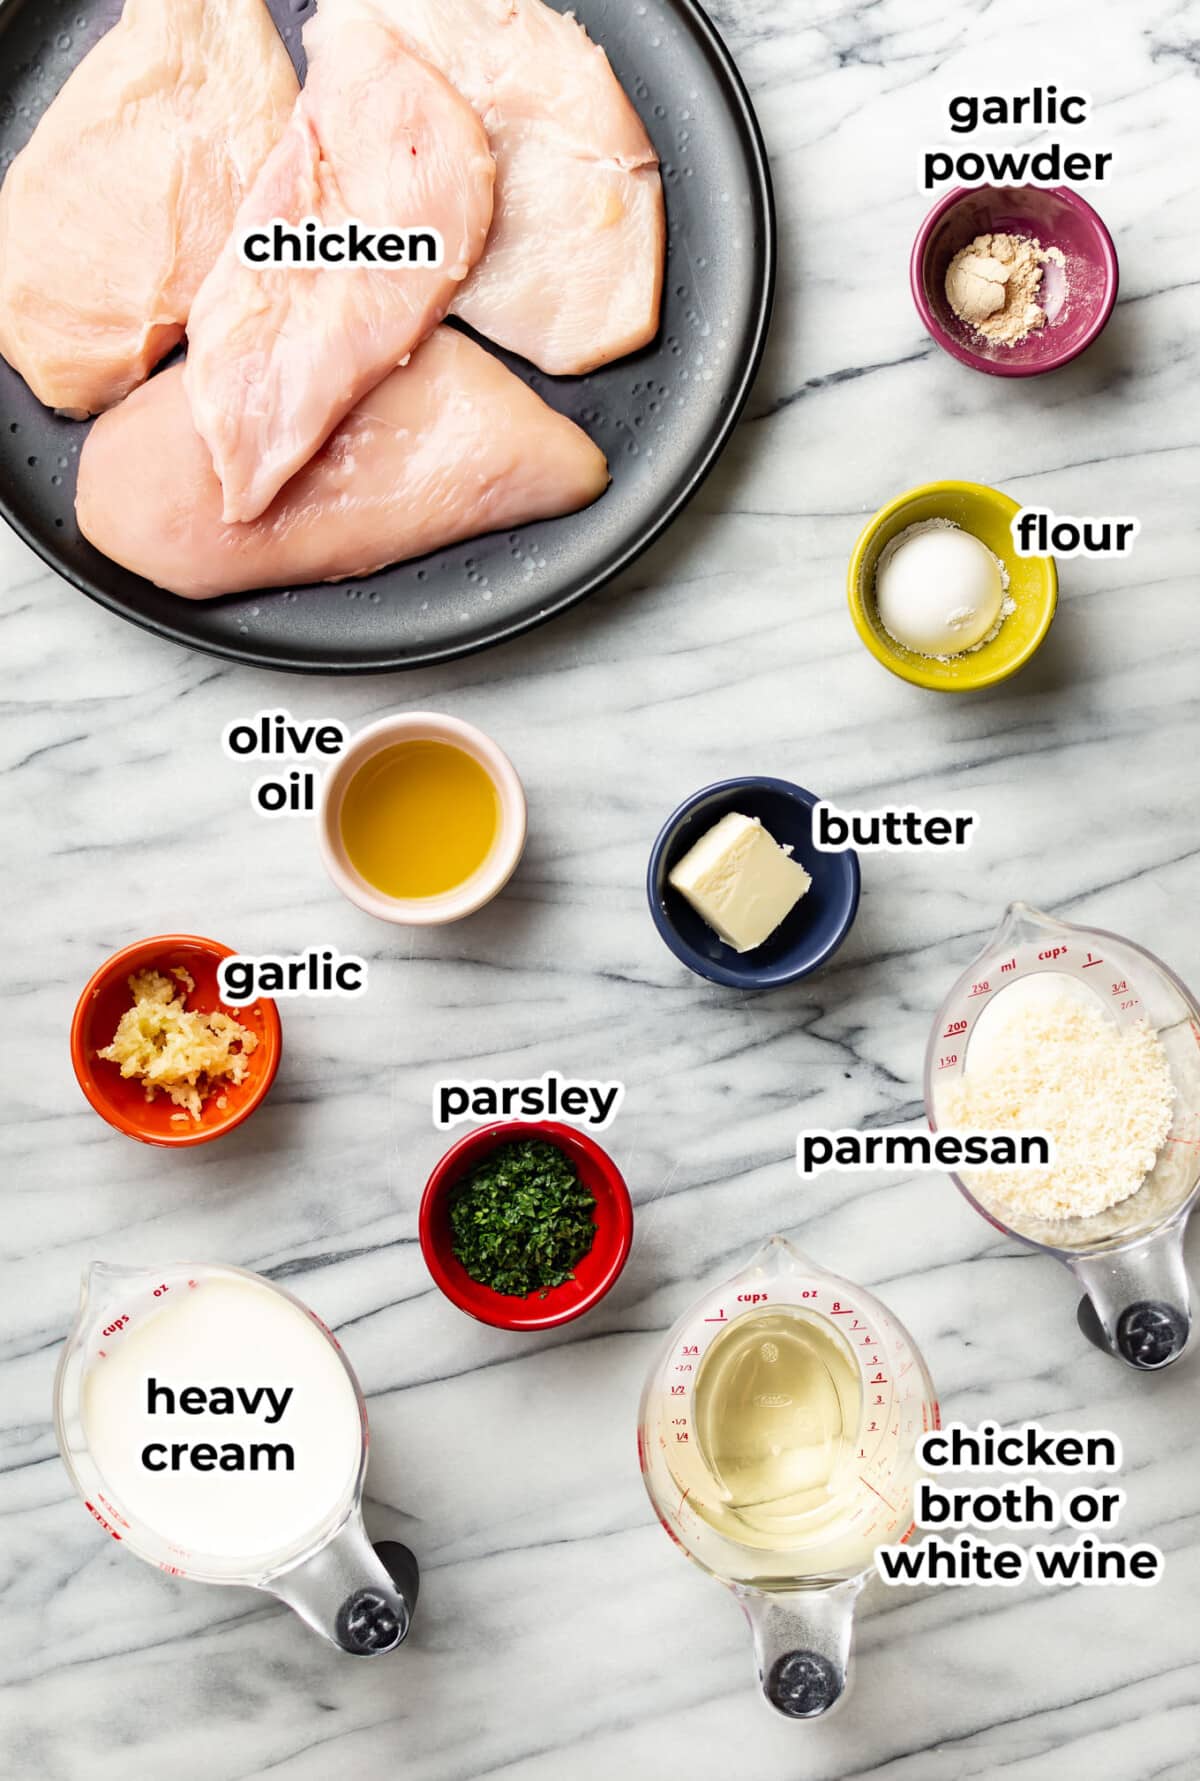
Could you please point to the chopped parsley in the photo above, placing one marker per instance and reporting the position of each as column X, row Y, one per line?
column 522, row 1219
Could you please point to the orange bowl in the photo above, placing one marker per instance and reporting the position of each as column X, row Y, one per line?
column 121, row 1100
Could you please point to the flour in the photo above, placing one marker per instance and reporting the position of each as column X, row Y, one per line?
column 954, row 617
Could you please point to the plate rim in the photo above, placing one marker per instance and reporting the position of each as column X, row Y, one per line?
column 245, row 654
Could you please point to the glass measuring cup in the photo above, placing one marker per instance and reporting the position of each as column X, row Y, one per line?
column 1128, row 1259
column 357, row 1596
column 794, row 1549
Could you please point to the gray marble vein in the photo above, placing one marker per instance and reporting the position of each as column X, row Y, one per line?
column 559, row 1631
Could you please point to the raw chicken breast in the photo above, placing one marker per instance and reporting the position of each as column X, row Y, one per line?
column 573, row 273
column 118, row 206
column 445, row 448
column 278, row 355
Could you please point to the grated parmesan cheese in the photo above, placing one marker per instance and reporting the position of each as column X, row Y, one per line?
column 179, row 1050
column 1102, row 1092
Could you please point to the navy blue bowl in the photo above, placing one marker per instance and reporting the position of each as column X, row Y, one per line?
column 807, row 937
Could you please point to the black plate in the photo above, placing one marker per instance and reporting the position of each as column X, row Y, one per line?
column 662, row 416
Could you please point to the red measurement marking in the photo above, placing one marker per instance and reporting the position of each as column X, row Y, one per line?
column 981, row 989
column 1089, row 961
column 878, row 1493
column 107, row 1526
column 721, row 1319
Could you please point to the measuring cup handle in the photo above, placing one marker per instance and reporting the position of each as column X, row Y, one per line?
column 359, row 1597
column 802, row 1641
column 1139, row 1303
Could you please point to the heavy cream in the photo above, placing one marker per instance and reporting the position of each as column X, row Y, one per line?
column 224, row 1422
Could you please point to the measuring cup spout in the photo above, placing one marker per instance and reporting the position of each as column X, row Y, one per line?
column 100, row 1284
column 358, row 1596
column 1139, row 1303
column 802, row 1641
column 1019, row 922
column 778, row 1256
column 99, row 1280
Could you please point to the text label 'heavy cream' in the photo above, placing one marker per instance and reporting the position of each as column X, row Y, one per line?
column 218, row 1400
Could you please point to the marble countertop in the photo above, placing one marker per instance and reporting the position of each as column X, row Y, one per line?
column 558, row 1630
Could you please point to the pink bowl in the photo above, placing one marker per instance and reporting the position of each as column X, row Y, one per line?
column 1057, row 217
column 497, row 868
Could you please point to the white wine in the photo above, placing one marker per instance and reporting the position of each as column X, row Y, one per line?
column 778, row 1402
column 777, row 1440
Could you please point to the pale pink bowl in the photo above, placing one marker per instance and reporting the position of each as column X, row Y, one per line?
column 1055, row 216
column 497, row 868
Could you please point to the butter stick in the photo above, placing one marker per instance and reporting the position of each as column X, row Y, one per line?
column 739, row 879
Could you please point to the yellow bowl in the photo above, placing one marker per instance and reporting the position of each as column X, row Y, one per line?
column 1033, row 585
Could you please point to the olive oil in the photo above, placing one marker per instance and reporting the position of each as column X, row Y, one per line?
column 777, row 1407
column 419, row 819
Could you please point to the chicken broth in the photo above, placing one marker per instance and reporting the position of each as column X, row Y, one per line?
column 419, row 819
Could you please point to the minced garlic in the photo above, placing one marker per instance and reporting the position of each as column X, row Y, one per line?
column 179, row 1051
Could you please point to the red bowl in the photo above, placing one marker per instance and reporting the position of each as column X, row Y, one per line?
column 594, row 1273
column 122, row 1100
